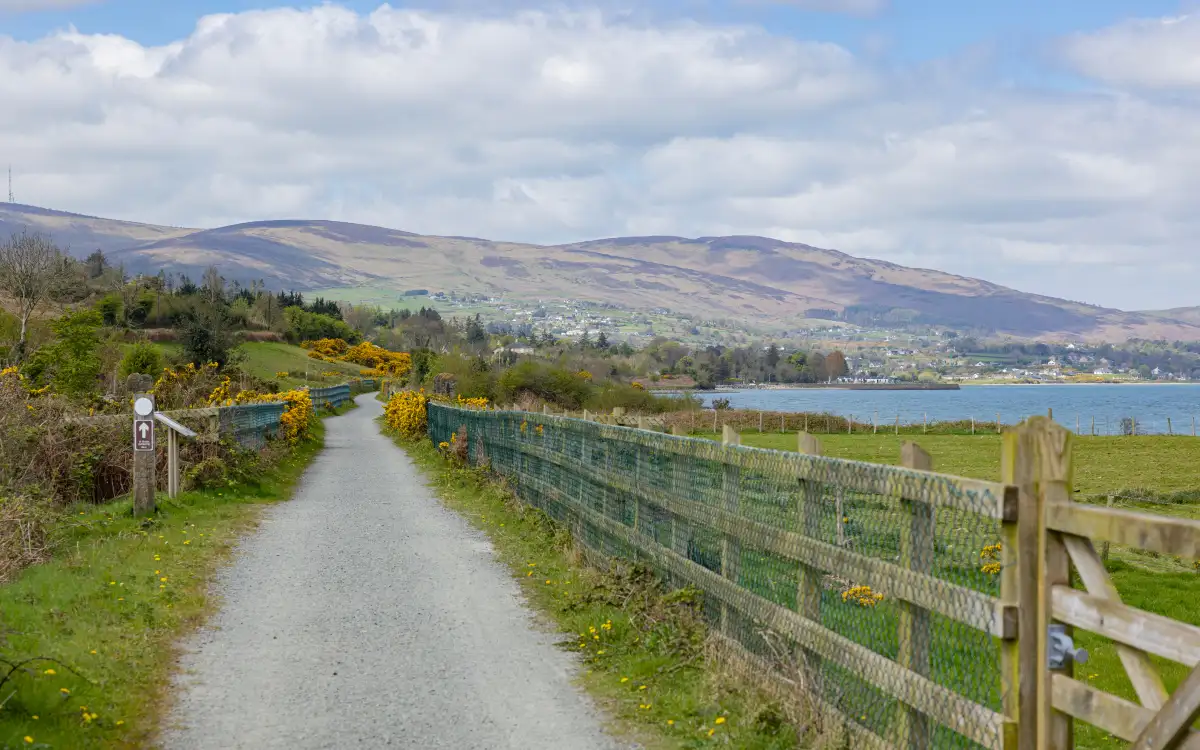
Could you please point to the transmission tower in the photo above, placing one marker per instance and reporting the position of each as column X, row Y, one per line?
column 11, row 199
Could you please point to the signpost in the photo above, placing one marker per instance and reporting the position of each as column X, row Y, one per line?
column 143, row 455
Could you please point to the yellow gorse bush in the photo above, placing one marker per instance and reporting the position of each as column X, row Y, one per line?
column 379, row 362
column 407, row 414
column 331, row 348
column 990, row 555
column 297, row 415
column 863, row 596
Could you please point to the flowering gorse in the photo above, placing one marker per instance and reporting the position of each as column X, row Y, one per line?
column 863, row 596
column 990, row 555
column 407, row 414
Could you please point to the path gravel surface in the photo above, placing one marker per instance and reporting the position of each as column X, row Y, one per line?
column 364, row 614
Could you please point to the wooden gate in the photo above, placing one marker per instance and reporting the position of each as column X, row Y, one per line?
column 1066, row 533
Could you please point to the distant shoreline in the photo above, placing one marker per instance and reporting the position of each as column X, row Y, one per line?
column 906, row 387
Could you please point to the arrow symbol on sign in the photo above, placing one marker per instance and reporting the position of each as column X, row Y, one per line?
column 142, row 428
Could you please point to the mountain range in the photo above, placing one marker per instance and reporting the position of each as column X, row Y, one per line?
column 766, row 281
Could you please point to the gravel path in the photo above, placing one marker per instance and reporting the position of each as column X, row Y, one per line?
column 364, row 614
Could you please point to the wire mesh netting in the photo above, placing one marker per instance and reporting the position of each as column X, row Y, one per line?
column 251, row 424
column 335, row 395
column 875, row 587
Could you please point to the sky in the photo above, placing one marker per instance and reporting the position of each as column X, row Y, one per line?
column 1051, row 147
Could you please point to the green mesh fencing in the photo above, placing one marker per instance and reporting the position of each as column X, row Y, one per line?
column 251, row 424
column 334, row 395
column 872, row 588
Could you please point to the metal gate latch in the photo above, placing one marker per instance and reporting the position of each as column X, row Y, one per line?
column 1061, row 648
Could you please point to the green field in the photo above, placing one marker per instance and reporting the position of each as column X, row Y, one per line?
column 266, row 359
column 1134, row 469
column 1156, row 465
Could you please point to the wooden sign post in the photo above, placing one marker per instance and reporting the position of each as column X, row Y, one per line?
column 143, row 454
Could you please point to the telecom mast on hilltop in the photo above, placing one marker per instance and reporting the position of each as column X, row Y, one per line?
column 11, row 199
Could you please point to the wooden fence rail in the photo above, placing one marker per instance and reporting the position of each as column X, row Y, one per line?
column 664, row 500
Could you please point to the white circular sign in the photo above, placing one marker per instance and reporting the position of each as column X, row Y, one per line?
column 143, row 407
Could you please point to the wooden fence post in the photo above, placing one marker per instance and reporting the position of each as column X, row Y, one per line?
column 808, row 597
column 1019, row 668
column 1055, row 729
column 144, row 455
column 760, row 421
column 916, row 554
column 897, row 424
column 1169, row 430
column 731, row 548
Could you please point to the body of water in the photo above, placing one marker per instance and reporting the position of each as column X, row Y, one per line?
column 1073, row 405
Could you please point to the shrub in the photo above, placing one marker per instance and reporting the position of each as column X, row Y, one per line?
column 611, row 395
column 143, row 357
column 553, row 384
column 76, row 353
column 407, row 415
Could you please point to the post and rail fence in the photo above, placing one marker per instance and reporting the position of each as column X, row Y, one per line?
column 925, row 610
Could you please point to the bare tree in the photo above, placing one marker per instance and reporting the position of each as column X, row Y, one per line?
column 31, row 269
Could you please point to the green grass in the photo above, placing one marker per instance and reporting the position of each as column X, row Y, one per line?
column 655, row 640
column 1155, row 464
column 264, row 359
column 1150, row 466
column 104, row 613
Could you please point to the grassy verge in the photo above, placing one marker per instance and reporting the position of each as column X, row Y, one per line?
column 88, row 639
column 643, row 648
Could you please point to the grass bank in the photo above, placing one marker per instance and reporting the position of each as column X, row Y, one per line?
column 87, row 639
column 644, row 649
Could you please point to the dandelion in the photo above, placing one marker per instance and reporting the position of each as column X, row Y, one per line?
column 720, row 720
column 50, row 672
column 28, row 740
column 93, row 651
column 711, row 732
column 641, row 687
column 64, row 692
column 624, row 679
column 670, row 722
column 120, row 722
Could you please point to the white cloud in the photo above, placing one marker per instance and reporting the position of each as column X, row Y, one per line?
column 1158, row 53
column 558, row 126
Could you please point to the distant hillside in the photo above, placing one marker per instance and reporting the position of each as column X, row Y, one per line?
column 758, row 278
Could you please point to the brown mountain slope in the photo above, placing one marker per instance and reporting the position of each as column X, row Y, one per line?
column 758, row 278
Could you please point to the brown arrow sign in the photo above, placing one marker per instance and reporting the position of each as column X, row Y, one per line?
column 143, row 434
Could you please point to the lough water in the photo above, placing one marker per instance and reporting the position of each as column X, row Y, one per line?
column 1073, row 405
